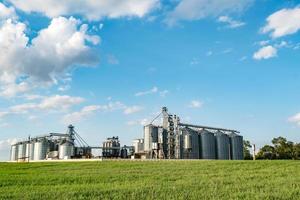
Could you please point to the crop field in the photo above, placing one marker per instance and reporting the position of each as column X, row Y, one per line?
column 151, row 180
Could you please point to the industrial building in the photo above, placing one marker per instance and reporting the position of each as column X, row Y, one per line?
column 51, row 146
column 170, row 140
column 65, row 146
column 176, row 140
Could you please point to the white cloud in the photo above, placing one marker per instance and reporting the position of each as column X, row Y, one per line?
column 90, row 9
column 132, row 109
column 199, row 9
column 263, row 42
column 64, row 88
column 12, row 89
column 64, row 44
column 92, row 109
column 231, row 23
column 265, row 53
column 142, row 122
column 81, row 115
column 112, row 106
column 195, row 104
column 151, row 91
column 283, row 22
column 7, row 12
column 5, row 144
column 295, row 119
column 56, row 103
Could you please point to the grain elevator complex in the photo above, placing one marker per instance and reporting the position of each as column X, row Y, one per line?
column 170, row 140
column 176, row 140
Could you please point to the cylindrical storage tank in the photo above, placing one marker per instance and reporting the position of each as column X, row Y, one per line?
column 27, row 151
column 21, row 150
column 208, row 145
column 66, row 150
column 222, row 146
column 40, row 150
column 14, row 152
column 236, row 147
column 190, row 139
column 150, row 136
column 187, row 142
column 31, row 151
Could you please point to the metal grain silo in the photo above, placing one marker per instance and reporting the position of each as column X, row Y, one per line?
column 27, row 149
column 40, row 149
column 150, row 136
column 236, row 147
column 66, row 150
column 14, row 152
column 31, row 149
column 222, row 146
column 208, row 145
column 190, row 144
column 21, row 150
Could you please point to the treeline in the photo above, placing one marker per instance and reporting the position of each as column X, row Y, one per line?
column 281, row 149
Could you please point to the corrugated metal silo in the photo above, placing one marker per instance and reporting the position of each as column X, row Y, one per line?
column 190, row 138
column 222, row 146
column 66, row 150
column 150, row 136
column 14, row 152
column 208, row 145
column 21, row 150
column 40, row 149
column 236, row 147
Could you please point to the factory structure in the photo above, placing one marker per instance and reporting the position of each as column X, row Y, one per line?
column 170, row 140
column 176, row 140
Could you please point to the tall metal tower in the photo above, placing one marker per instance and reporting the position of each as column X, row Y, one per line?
column 168, row 125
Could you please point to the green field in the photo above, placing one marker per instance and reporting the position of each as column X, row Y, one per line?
column 151, row 180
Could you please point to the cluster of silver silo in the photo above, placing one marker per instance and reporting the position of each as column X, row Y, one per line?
column 34, row 149
column 52, row 146
column 193, row 143
column 155, row 141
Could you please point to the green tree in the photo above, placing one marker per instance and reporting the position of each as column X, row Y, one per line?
column 284, row 149
column 296, row 150
column 266, row 152
column 247, row 147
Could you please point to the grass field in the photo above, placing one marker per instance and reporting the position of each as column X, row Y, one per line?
column 151, row 180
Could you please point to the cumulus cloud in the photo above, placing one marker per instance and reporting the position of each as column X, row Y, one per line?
column 283, row 22
column 142, row 122
column 80, row 115
column 295, row 119
column 5, row 146
column 90, row 9
column 87, row 111
column 151, row 91
column 195, row 104
column 132, row 109
column 64, row 44
column 265, row 53
column 199, row 9
column 56, row 103
column 7, row 12
column 231, row 23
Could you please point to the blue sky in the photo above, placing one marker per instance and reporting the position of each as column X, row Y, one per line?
column 109, row 67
